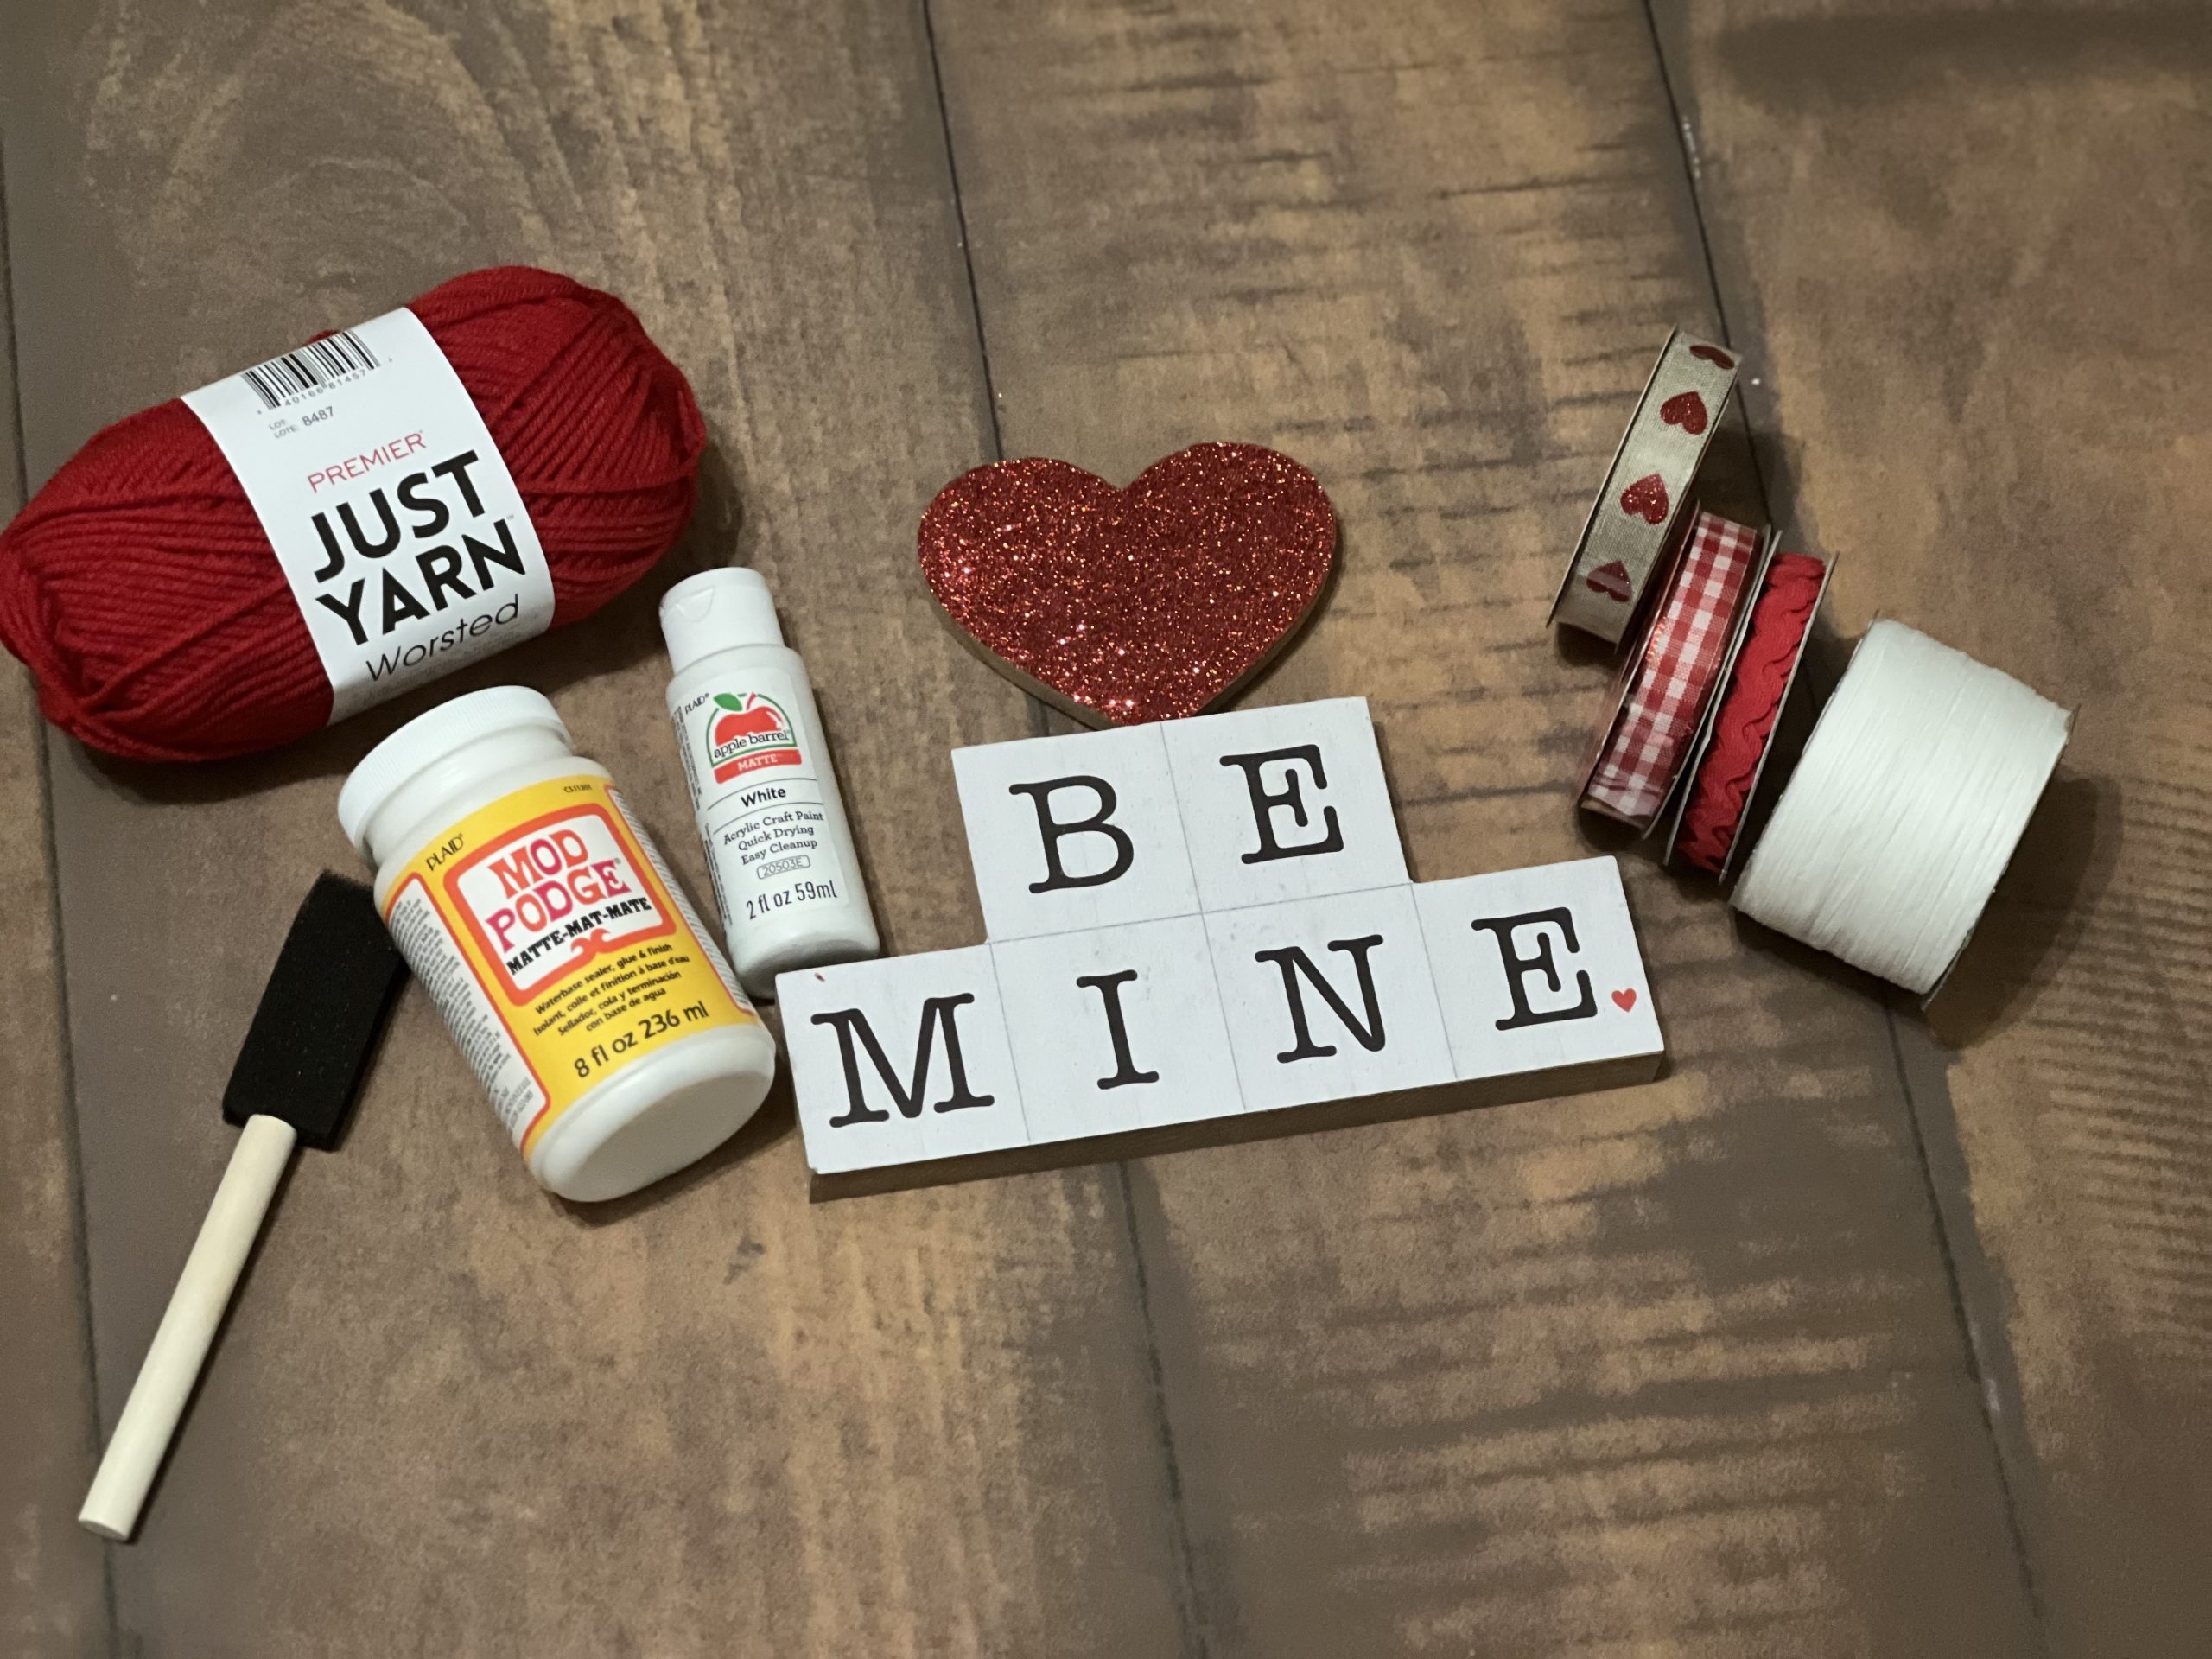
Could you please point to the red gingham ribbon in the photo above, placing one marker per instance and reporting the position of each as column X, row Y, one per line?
column 1682, row 659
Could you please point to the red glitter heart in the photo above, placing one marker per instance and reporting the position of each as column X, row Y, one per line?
column 1714, row 355
column 1685, row 409
column 1610, row 579
column 1624, row 999
column 1123, row 605
column 1646, row 498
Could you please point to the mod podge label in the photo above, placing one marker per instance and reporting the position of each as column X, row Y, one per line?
column 399, row 528
column 757, row 788
column 558, row 947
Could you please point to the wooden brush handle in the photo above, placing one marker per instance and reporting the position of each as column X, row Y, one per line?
column 172, row 1363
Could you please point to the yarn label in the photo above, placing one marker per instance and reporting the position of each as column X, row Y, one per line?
column 400, row 530
column 758, row 794
column 557, row 946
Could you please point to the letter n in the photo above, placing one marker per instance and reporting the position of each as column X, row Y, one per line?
column 1294, row 962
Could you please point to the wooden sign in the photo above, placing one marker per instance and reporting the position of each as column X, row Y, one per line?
column 1203, row 930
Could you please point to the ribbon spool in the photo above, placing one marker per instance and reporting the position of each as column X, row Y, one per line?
column 1632, row 522
column 1730, row 753
column 1905, row 809
column 1660, row 702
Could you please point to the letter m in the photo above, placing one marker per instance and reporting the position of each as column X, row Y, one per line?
column 514, row 872
column 854, row 1033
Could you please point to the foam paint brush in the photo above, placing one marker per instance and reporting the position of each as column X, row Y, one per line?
column 295, row 1081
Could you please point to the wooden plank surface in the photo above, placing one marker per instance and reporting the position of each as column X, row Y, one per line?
column 1970, row 249
column 53, row 1596
column 1674, row 1370
column 449, row 1415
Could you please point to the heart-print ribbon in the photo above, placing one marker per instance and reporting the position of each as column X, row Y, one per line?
column 1632, row 523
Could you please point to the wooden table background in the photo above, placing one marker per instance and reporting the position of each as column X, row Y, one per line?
column 1860, row 1333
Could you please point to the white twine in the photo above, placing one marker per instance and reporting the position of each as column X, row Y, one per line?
column 1904, row 808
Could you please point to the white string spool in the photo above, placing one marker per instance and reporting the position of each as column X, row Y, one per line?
column 1904, row 808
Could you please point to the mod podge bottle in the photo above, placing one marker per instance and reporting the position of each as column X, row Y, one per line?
column 765, row 795
column 615, row 1042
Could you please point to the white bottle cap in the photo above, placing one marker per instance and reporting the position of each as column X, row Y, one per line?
column 430, row 738
column 717, row 610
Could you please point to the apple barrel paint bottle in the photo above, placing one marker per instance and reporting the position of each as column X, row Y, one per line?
column 785, row 872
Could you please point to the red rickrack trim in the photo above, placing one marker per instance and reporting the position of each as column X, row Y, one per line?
column 1741, row 732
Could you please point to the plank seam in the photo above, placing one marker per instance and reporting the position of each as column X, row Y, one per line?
column 1686, row 146
column 71, row 1149
column 1980, row 1364
column 1042, row 725
column 8, row 341
column 1179, row 1533
column 1983, row 1366
column 967, row 244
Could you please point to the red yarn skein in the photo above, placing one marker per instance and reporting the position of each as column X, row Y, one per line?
column 138, row 587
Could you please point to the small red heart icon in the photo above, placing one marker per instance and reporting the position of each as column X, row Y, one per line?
column 1714, row 354
column 1646, row 498
column 1624, row 999
column 1610, row 580
column 1685, row 409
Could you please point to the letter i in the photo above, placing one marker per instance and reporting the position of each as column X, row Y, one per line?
column 1108, row 986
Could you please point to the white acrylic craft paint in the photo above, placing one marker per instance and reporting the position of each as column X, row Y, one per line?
column 762, row 786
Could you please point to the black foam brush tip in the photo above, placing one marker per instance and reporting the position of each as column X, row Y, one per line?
column 325, row 1002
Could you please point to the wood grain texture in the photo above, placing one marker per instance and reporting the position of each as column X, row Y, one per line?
column 1970, row 249
column 52, row 1593
column 1670, row 1371
column 1674, row 1370
column 450, row 1416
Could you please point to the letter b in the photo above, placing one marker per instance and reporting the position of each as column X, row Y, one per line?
column 1051, row 830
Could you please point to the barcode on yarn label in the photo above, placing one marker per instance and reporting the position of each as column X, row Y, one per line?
column 401, row 532
column 293, row 375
